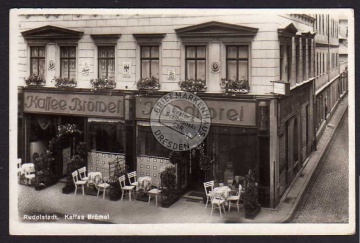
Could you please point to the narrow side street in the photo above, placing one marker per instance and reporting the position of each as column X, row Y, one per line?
column 327, row 200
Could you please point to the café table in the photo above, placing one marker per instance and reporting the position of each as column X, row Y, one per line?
column 144, row 183
column 223, row 191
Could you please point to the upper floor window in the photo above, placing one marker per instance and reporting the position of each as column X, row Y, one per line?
column 106, row 62
column 195, row 62
column 68, row 62
column 150, row 61
column 237, row 62
column 37, row 60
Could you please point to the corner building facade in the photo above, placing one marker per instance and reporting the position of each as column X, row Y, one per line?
column 255, row 129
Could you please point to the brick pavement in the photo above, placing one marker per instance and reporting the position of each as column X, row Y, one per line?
column 327, row 199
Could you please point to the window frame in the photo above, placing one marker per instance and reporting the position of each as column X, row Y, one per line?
column 67, row 58
column 196, row 59
column 37, row 58
column 237, row 59
column 150, row 59
column 106, row 58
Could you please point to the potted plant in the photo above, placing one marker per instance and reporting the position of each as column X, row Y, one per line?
column 235, row 86
column 151, row 83
column 64, row 82
column 44, row 175
column 193, row 85
column 102, row 83
column 251, row 204
column 35, row 80
column 169, row 188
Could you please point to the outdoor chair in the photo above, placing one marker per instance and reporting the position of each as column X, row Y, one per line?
column 209, row 187
column 78, row 183
column 102, row 187
column 132, row 178
column 29, row 170
column 125, row 189
column 82, row 174
column 19, row 169
column 217, row 201
column 235, row 199
column 154, row 192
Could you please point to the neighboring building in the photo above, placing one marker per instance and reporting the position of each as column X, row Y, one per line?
column 343, row 43
column 330, row 86
column 256, row 129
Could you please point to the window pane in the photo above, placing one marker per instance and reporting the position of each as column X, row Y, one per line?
column 232, row 52
column 190, row 52
column 102, row 52
column 110, row 52
column 64, row 67
column 231, row 70
column 111, row 68
column 72, row 52
column 243, row 52
column 155, row 51
column 64, row 52
column 145, row 68
column 41, row 67
column 190, row 69
column 243, row 70
column 201, row 52
column 41, row 51
column 34, row 51
column 72, row 68
column 102, row 68
column 201, row 70
column 145, row 51
column 155, row 68
column 34, row 66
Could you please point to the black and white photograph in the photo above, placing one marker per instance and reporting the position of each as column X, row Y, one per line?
column 182, row 122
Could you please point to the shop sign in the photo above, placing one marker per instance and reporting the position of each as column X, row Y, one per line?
column 282, row 88
column 240, row 113
column 74, row 104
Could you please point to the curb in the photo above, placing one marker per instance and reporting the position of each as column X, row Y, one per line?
column 315, row 170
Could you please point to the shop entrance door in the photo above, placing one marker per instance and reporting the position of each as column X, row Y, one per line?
column 196, row 176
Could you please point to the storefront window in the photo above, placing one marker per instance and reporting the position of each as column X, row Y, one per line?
column 68, row 62
column 149, row 61
column 106, row 62
column 147, row 143
column 37, row 60
column 195, row 67
column 106, row 135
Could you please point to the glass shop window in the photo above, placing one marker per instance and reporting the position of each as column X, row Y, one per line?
column 37, row 60
column 195, row 62
column 147, row 143
column 106, row 135
column 68, row 62
column 106, row 62
column 149, row 61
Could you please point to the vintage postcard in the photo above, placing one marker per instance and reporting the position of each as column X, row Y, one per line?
column 182, row 122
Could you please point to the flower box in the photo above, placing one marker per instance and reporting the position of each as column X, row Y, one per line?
column 35, row 80
column 148, row 84
column 61, row 82
column 193, row 85
column 102, row 83
column 235, row 86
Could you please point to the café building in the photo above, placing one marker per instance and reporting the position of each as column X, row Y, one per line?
column 256, row 127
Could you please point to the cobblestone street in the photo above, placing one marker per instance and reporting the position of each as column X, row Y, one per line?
column 327, row 199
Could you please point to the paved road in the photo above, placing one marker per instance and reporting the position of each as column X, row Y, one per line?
column 326, row 201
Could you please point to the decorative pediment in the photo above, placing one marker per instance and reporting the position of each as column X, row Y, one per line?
column 289, row 30
column 49, row 32
column 216, row 29
column 308, row 34
column 149, row 38
column 105, row 39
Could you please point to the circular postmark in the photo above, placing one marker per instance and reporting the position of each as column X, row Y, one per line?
column 180, row 121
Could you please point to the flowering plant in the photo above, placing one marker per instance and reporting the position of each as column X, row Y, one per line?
column 102, row 83
column 148, row 83
column 68, row 129
column 35, row 80
column 193, row 85
column 61, row 82
column 231, row 85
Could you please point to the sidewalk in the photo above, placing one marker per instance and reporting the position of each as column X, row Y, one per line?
column 52, row 201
